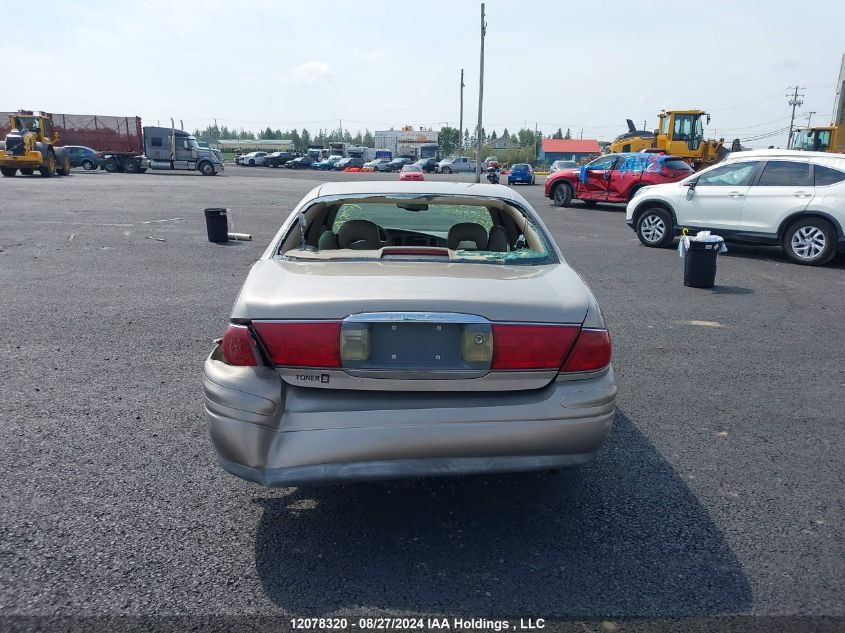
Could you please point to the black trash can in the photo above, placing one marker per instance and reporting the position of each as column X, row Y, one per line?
column 217, row 224
column 700, row 264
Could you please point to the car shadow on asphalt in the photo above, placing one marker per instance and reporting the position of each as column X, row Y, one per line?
column 774, row 254
column 622, row 536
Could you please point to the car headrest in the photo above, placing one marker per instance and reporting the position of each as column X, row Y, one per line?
column 359, row 235
column 498, row 241
column 467, row 232
column 327, row 241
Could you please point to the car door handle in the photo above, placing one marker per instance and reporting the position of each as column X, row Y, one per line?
column 801, row 194
column 736, row 194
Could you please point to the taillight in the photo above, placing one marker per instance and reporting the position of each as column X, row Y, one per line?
column 301, row 344
column 531, row 346
column 239, row 347
column 592, row 351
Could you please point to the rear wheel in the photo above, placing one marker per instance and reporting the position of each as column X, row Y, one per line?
column 8, row 172
column 48, row 169
column 110, row 165
column 562, row 194
column 810, row 241
column 131, row 165
column 63, row 168
column 88, row 165
column 654, row 227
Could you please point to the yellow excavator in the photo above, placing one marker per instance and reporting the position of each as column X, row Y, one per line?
column 679, row 133
column 30, row 145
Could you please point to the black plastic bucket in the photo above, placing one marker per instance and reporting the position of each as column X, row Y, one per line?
column 217, row 224
column 700, row 264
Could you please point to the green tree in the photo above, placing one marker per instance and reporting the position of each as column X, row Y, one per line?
column 525, row 137
column 305, row 137
column 369, row 141
column 466, row 137
column 448, row 140
column 493, row 136
column 558, row 134
column 506, row 135
column 568, row 134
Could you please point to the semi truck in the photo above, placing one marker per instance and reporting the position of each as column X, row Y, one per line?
column 125, row 145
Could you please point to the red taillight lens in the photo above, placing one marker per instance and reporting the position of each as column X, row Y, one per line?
column 305, row 344
column 531, row 346
column 592, row 351
column 239, row 347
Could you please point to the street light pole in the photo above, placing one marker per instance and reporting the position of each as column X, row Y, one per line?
column 480, row 99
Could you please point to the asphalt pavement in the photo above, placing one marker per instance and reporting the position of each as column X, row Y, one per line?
column 718, row 494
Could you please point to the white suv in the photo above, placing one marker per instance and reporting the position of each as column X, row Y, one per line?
column 794, row 199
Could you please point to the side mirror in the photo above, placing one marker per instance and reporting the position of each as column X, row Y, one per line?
column 690, row 188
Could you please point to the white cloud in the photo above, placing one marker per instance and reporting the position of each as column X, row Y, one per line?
column 311, row 73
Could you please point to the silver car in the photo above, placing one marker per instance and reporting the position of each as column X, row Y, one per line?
column 403, row 329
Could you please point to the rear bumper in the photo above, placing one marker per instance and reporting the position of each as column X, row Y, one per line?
column 269, row 432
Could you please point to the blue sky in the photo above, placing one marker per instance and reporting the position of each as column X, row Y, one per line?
column 378, row 63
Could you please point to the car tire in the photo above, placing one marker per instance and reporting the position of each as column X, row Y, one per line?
column 590, row 204
column 810, row 241
column 446, row 170
column 26, row 171
column 562, row 194
column 533, row 180
column 8, row 172
column 206, row 169
column 655, row 227
column 252, row 162
column 88, row 165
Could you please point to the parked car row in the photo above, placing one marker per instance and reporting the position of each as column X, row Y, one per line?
column 791, row 199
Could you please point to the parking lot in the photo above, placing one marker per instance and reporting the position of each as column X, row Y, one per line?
column 718, row 493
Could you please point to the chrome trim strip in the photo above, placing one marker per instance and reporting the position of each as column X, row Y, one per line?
column 491, row 381
column 428, row 317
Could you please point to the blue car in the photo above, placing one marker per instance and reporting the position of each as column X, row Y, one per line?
column 521, row 172
column 327, row 164
column 85, row 157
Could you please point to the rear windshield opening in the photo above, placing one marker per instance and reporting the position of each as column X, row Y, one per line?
column 454, row 229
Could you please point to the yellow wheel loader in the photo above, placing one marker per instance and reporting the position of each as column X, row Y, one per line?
column 679, row 133
column 30, row 146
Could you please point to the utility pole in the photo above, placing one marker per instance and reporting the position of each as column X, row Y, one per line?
column 461, row 123
column 536, row 149
column 480, row 99
column 581, row 135
column 795, row 100
column 810, row 117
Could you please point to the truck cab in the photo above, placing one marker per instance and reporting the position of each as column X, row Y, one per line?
column 172, row 149
column 819, row 139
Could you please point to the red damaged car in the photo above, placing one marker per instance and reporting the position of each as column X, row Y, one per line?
column 614, row 177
